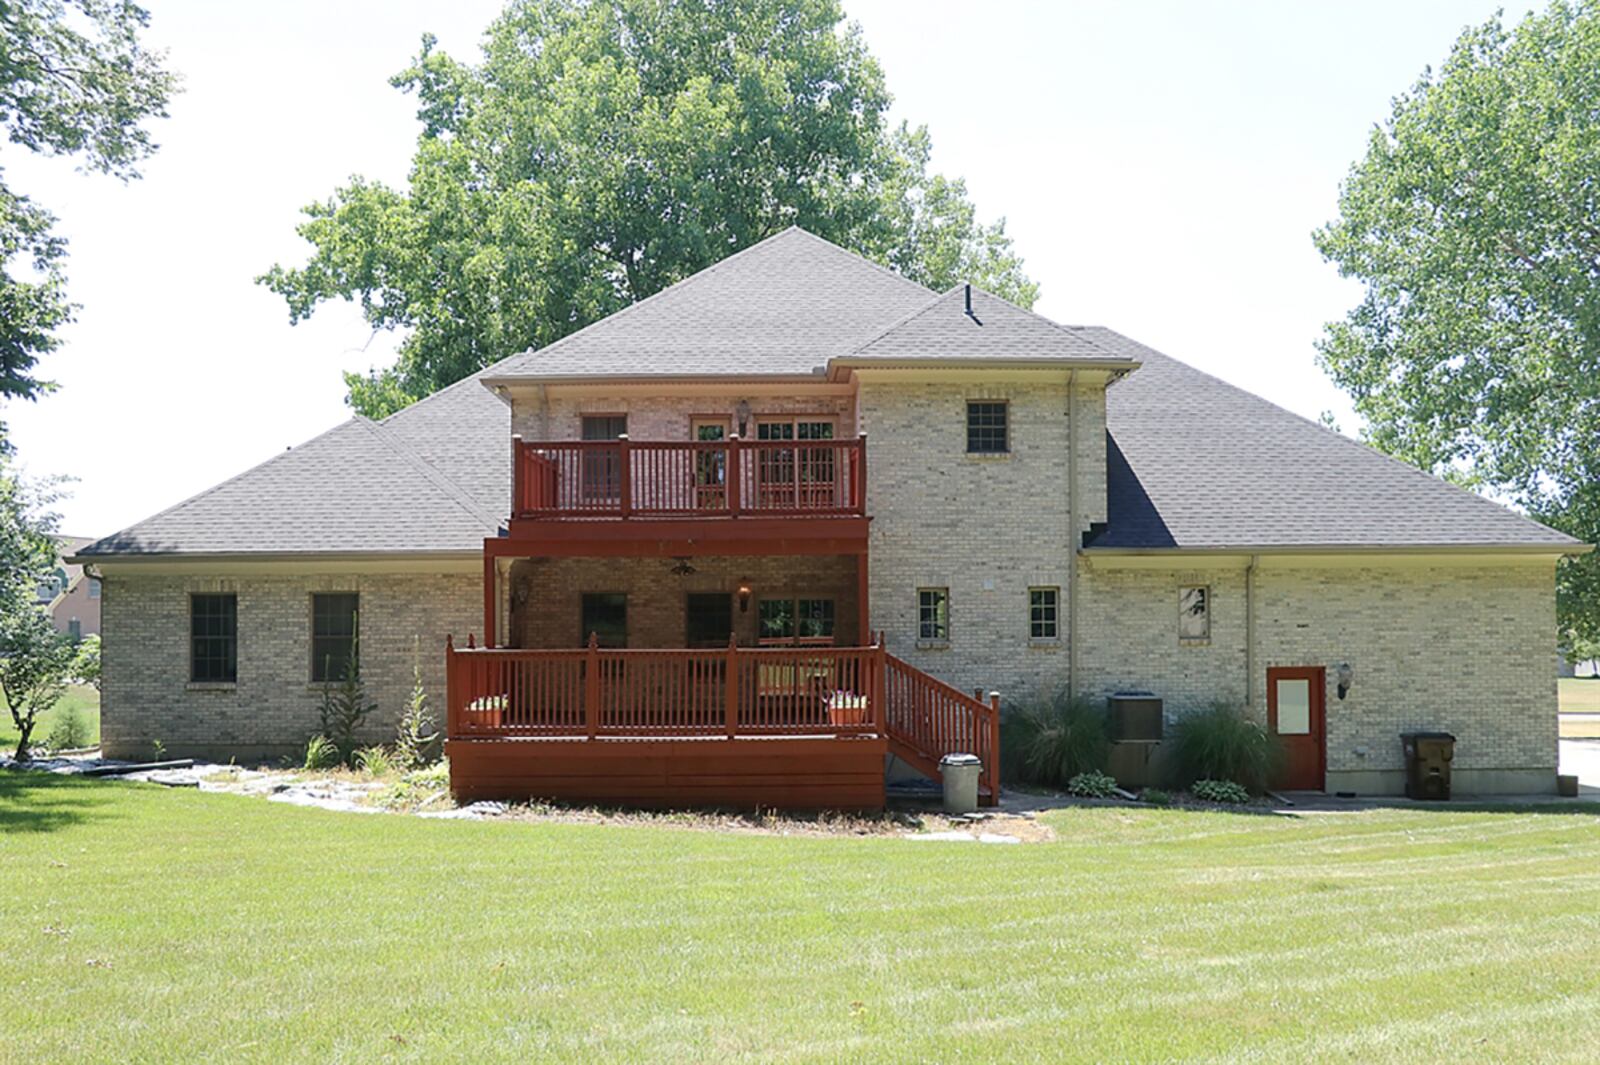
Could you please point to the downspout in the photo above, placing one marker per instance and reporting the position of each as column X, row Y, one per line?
column 1250, row 634
column 1074, row 541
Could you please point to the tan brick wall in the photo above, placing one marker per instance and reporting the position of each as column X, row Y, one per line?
column 986, row 527
column 668, row 417
column 1464, row 650
column 273, row 707
column 549, row 594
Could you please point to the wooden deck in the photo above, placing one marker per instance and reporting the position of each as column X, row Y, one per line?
column 741, row 727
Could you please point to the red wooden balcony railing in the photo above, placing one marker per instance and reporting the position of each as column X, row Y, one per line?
column 688, row 479
column 926, row 719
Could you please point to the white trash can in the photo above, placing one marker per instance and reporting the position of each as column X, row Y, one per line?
column 960, row 773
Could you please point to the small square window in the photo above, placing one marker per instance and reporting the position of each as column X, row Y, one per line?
column 986, row 428
column 1194, row 612
column 334, row 646
column 605, row 614
column 1044, row 613
column 214, row 638
column 933, row 613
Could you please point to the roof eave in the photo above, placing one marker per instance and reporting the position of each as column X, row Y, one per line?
column 1551, row 549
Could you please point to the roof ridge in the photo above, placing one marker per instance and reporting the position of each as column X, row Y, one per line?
column 705, row 272
column 1361, row 446
column 898, row 322
column 1074, row 331
column 428, row 470
column 89, row 548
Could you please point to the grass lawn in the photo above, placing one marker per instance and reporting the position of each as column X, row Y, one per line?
column 144, row 924
column 82, row 696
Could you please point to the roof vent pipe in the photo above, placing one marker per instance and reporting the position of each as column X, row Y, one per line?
column 969, row 301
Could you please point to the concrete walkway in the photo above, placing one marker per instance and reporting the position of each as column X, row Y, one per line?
column 1581, row 758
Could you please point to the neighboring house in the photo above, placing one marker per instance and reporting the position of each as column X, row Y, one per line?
column 686, row 525
column 70, row 595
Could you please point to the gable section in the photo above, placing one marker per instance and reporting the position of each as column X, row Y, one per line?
column 990, row 328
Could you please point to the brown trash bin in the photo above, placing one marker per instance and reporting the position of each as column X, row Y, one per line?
column 1428, row 756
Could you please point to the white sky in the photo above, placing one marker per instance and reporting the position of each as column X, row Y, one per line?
column 1161, row 165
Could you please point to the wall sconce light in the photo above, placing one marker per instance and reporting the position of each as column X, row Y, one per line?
column 744, row 598
column 1344, row 675
column 742, row 413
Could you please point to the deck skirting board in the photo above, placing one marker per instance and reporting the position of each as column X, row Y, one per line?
column 844, row 774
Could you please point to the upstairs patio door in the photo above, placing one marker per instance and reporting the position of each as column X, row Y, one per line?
column 602, row 470
column 790, row 478
column 710, row 465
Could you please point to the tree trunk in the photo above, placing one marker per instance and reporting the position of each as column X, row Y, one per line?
column 24, row 732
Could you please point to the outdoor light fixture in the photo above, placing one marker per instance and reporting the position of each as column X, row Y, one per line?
column 1344, row 674
column 742, row 412
column 744, row 597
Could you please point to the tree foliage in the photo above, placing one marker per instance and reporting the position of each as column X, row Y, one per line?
column 35, row 661
column 74, row 81
column 604, row 149
column 1474, row 222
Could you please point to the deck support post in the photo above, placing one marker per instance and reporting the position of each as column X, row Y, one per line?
column 491, row 598
column 591, row 687
column 625, row 488
column 863, row 589
column 994, row 748
column 879, row 689
column 733, row 474
column 518, row 494
column 730, row 686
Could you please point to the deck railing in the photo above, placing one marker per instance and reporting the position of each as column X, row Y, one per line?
column 658, row 479
column 596, row 693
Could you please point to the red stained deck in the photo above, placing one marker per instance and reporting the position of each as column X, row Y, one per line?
column 742, row 727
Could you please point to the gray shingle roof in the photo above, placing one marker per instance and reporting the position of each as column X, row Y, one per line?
column 1194, row 462
column 783, row 306
column 996, row 329
column 356, row 488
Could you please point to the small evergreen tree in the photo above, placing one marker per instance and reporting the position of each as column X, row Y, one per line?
column 344, row 708
column 416, row 743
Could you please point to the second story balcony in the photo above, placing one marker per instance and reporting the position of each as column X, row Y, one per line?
column 622, row 479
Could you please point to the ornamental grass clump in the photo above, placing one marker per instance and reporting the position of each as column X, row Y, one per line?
column 1049, row 740
column 1222, row 743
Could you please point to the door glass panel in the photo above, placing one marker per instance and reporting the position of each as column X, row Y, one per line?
column 1294, row 707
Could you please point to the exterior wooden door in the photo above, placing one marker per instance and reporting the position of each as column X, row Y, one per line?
column 1296, row 714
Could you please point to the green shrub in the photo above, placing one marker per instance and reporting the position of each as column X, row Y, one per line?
column 1049, row 740
column 1220, row 791
column 69, row 732
column 1155, row 797
column 322, row 754
column 1222, row 743
column 376, row 760
column 1092, row 785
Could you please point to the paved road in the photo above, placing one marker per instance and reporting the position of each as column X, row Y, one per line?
column 1583, row 758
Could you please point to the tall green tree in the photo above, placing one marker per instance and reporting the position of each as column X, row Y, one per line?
column 1474, row 222
column 74, row 81
column 604, row 149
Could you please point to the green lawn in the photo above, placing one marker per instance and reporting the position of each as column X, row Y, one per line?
column 82, row 696
column 144, row 924
column 1579, row 695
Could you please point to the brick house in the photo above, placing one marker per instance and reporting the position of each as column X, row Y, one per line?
column 71, row 597
column 749, row 537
